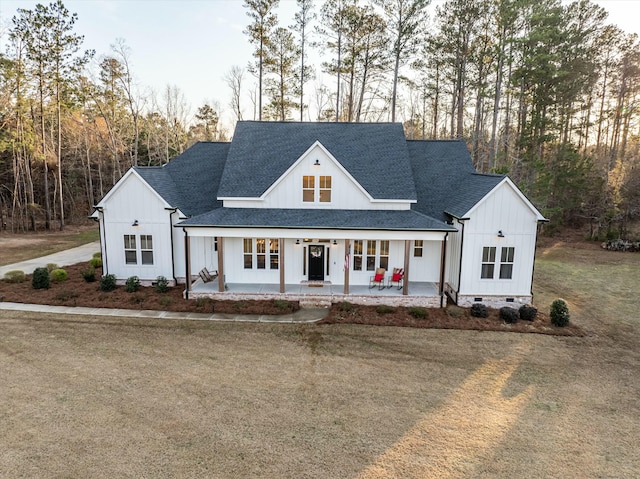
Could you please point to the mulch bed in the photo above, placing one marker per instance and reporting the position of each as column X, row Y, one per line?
column 75, row 291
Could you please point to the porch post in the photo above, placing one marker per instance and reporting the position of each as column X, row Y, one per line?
column 347, row 263
column 187, row 264
column 220, row 264
column 281, row 264
column 407, row 252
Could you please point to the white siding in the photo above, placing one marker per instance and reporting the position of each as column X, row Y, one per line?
column 135, row 200
column 345, row 193
column 502, row 210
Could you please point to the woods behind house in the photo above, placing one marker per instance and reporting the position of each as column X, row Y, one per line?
column 547, row 92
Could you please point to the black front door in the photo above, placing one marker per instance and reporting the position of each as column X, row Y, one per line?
column 316, row 262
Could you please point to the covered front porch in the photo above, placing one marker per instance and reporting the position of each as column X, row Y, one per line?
column 314, row 294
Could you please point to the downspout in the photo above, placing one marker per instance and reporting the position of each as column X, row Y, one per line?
column 173, row 259
column 460, row 265
column 533, row 266
column 443, row 259
column 187, row 266
column 103, row 239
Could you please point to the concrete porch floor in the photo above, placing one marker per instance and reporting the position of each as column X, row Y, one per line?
column 313, row 294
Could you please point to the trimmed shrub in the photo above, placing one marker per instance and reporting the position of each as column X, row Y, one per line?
column 455, row 312
column 528, row 313
column 385, row 309
column 108, row 282
column 479, row 310
column 15, row 276
column 89, row 274
column 509, row 315
column 58, row 275
column 346, row 306
column 132, row 284
column 419, row 312
column 162, row 285
column 559, row 313
column 51, row 267
column 282, row 304
column 40, row 279
column 95, row 262
column 97, row 254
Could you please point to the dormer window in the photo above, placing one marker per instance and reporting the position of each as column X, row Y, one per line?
column 323, row 194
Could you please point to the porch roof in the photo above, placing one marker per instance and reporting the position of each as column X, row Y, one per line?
column 407, row 220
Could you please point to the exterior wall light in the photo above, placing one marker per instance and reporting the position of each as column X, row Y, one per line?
column 317, row 163
column 500, row 234
column 135, row 223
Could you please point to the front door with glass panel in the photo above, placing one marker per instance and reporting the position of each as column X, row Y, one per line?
column 316, row 262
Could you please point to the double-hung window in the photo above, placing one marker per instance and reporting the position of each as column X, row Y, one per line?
column 134, row 249
column 323, row 186
column 376, row 255
column 308, row 189
column 506, row 262
column 325, row 189
column 488, row 262
column 418, row 245
column 256, row 253
column 130, row 250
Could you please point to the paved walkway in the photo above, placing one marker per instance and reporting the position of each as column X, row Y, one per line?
column 85, row 252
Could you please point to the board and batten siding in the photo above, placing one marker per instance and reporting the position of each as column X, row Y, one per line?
column 502, row 210
column 345, row 193
column 134, row 200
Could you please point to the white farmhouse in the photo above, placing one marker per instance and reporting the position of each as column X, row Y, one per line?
column 323, row 212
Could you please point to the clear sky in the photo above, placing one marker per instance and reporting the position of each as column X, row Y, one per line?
column 192, row 43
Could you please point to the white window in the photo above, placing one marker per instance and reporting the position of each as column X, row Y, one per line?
column 357, row 255
column 383, row 261
column 130, row 250
column 417, row 248
column 506, row 262
column 488, row 262
column 308, row 189
column 255, row 253
column 325, row 189
column 375, row 256
column 323, row 185
column 146, row 249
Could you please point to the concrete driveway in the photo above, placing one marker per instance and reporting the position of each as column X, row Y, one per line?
column 63, row 258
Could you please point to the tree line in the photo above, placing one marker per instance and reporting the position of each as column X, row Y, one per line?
column 543, row 91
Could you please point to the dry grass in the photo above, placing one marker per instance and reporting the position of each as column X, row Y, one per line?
column 103, row 398
column 16, row 248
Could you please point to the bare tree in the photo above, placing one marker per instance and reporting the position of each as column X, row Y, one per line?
column 233, row 79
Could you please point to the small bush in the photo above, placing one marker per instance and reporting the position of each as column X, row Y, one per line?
column 66, row 295
column 346, row 306
column 479, row 310
column 108, row 282
column 58, row 275
column 14, row 276
column 419, row 312
column 95, row 262
column 455, row 312
column 137, row 299
column 509, row 315
column 559, row 313
column 132, row 285
column 166, row 301
column 202, row 302
column 528, row 313
column 51, row 267
column 162, row 285
column 40, row 279
column 97, row 254
column 385, row 309
column 282, row 304
column 89, row 274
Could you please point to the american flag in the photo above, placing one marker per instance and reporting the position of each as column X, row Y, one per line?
column 347, row 258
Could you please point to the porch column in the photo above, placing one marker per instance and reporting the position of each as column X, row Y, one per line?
column 443, row 263
column 220, row 264
column 281, row 264
column 347, row 263
column 407, row 252
column 187, row 263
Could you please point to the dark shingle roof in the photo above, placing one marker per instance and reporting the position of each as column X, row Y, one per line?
column 190, row 181
column 445, row 178
column 318, row 218
column 375, row 154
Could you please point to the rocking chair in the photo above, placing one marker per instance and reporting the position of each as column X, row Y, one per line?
column 397, row 278
column 377, row 279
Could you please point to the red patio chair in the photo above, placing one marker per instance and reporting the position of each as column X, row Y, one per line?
column 377, row 279
column 397, row 278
